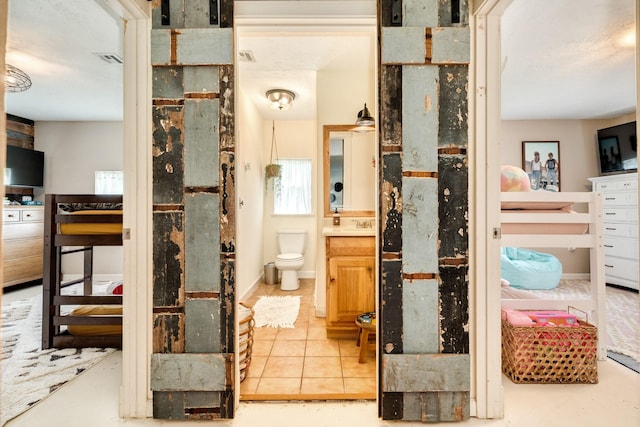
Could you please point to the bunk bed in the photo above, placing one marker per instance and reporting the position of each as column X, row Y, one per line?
column 82, row 318
column 542, row 219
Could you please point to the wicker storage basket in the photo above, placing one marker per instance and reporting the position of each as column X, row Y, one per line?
column 550, row 354
column 245, row 341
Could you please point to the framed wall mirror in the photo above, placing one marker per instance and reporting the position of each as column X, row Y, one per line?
column 349, row 171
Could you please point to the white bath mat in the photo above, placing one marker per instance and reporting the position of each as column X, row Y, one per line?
column 276, row 312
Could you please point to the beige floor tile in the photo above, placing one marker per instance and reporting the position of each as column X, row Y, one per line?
column 315, row 321
column 352, row 369
column 279, row 386
column 288, row 348
column 283, row 367
column 348, row 347
column 360, row 385
column 265, row 333
column 322, row 348
column 322, row 386
column 322, row 367
column 292, row 333
column 317, row 333
column 257, row 366
column 249, row 385
column 262, row 347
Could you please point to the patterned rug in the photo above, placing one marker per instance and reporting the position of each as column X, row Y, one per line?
column 623, row 317
column 276, row 312
column 29, row 374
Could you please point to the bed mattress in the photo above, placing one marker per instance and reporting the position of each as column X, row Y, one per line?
column 93, row 228
column 542, row 227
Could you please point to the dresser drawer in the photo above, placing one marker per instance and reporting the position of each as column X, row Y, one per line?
column 621, row 229
column 620, row 214
column 623, row 184
column 622, row 268
column 32, row 215
column 11, row 215
column 621, row 247
column 620, row 198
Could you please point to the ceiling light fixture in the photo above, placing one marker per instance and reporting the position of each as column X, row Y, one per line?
column 280, row 99
column 16, row 80
column 365, row 121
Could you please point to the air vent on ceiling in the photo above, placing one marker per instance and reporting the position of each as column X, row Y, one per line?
column 246, row 56
column 111, row 58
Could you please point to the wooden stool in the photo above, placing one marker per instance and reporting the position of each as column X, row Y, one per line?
column 365, row 327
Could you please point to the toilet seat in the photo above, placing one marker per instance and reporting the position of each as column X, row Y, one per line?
column 289, row 258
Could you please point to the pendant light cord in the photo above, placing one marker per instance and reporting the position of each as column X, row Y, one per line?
column 273, row 142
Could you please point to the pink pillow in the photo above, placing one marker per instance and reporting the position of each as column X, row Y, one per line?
column 513, row 178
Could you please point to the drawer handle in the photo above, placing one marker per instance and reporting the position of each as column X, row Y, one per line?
column 11, row 216
column 610, row 213
column 608, row 246
column 611, row 228
column 607, row 265
column 28, row 215
column 609, row 198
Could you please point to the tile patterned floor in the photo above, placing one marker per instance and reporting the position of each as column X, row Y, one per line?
column 302, row 363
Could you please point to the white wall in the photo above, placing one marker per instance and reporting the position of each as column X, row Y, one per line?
column 341, row 94
column 250, row 200
column 296, row 139
column 578, row 162
column 73, row 152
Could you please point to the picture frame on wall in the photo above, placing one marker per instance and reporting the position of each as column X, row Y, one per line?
column 541, row 161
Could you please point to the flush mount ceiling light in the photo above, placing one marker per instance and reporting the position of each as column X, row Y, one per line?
column 280, row 99
column 16, row 80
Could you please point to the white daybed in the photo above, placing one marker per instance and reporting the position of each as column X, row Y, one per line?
column 543, row 219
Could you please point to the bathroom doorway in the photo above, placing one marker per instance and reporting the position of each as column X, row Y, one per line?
column 330, row 53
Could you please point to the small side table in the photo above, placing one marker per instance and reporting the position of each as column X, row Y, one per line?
column 366, row 323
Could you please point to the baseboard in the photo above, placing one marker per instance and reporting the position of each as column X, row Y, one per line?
column 252, row 288
column 97, row 278
column 307, row 274
column 576, row 276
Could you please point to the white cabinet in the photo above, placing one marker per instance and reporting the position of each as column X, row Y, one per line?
column 22, row 237
column 620, row 220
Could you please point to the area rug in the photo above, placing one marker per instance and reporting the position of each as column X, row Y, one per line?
column 276, row 312
column 29, row 374
column 623, row 318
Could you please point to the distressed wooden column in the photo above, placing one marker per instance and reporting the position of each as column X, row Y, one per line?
column 424, row 343
column 192, row 369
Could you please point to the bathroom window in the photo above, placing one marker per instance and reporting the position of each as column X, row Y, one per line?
column 292, row 191
column 109, row 182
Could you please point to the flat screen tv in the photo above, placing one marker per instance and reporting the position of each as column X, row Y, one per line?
column 25, row 168
column 618, row 149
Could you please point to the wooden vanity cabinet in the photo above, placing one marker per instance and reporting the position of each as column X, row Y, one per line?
column 350, row 282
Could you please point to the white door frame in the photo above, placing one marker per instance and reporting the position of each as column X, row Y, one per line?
column 135, row 392
column 484, row 198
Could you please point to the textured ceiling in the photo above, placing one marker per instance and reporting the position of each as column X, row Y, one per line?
column 560, row 60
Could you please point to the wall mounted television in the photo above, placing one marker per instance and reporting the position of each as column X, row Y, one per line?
column 618, row 149
column 24, row 168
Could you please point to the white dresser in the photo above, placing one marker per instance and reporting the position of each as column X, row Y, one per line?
column 620, row 200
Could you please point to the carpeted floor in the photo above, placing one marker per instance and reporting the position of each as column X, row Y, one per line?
column 29, row 373
column 623, row 317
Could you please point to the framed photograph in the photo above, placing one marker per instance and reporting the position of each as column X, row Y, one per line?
column 541, row 161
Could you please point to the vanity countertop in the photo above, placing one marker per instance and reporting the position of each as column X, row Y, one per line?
column 347, row 230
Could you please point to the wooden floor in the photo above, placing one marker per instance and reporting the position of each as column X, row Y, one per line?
column 302, row 363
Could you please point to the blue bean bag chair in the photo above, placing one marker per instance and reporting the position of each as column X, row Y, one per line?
column 527, row 269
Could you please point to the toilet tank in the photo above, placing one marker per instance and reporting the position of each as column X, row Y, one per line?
column 291, row 241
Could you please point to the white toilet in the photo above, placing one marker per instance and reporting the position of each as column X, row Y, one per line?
column 290, row 259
